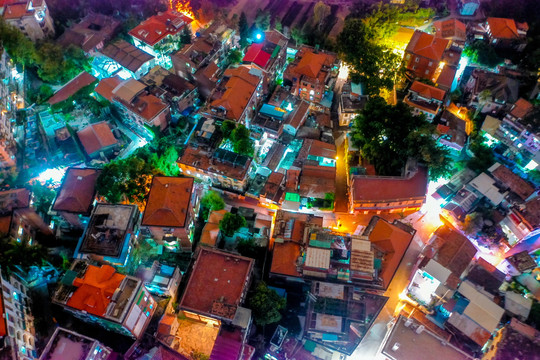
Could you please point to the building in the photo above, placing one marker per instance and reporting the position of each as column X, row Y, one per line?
column 451, row 29
column 69, row 345
column 370, row 260
column 468, row 7
column 9, row 103
column 210, row 47
column 99, row 294
column 424, row 55
column 180, row 94
column 339, row 316
column 473, row 314
column 500, row 90
column 79, row 82
column 351, row 102
column 217, row 286
column 122, row 59
column 269, row 56
column 511, row 181
column 76, row 196
column 391, row 194
column 223, row 168
column 160, row 279
column 296, row 118
column 507, row 33
column 425, row 99
column 170, row 212
column 138, row 107
column 409, row 340
column 98, row 140
column 514, row 340
column 455, row 127
column 17, row 219
column 30, row 16
column 318, row 182
column 17, row 333
column 159, row 35
column 210, row 232
column 109, row 235
column 440, row 266
column 237, row 95
column 312, row 74
column 522, row 220
column 91, row 33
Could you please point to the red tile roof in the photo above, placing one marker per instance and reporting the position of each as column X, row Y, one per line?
column 78, row 191
column 239, row 89
column 381, row 189
column 5, row 224
column 82, row 80
column 521, row 108
column 156, row 28
column 311, row 63
column 168, row 202
column 127, row 55
column 428, row 91
column 446, row 77
column 16, row 11
column 284, row 258
column 255, row 54
column 148, row 106
column 96, row 136
column 502, row 28
column 14, row 199
column 450, row 28
column 298, row 117
column 95, row 290
column 106, row 86
column 216, row 277
column 519, row 186
column 394, row 241
column 427, row 45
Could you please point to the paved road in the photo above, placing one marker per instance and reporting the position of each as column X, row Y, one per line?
column 342, row 175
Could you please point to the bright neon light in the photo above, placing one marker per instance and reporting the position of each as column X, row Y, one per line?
column 54, row 176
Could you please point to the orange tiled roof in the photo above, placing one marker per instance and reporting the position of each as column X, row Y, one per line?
column 427, row 45
column 446, row 77
column 517, row 184
column 310, row 65
column 168, row 201
column 428, row 91
column 96, row 136
column 239, row 89
column 521, row 108
column 5, row 225
column 450, row 28
column 15, row 11
column 14, row 199
column 156, row 28
column 77, row 191
column 502, row 28
column 76, row 84
column 95, row 290
column 106, row 86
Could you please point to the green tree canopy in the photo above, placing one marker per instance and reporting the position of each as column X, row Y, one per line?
column 482, row 53
column 227, row 128
column 374, row 65
column 43, row 196
column 483, row 156
column 266, row 305
column 18, row 46
column 235, row 56
column 20, row 253
column 212, row 201
column 231, row 223
column 388, row 135
column 243, row 30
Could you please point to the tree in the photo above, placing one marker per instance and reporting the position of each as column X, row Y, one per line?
column 482, row 53
column 227, row 128
column 266, row 305
column 212, row 201
column 243, row 30
column 186, row 35
column 388, row 135
column 244, row 147
column 18, row 46
column 235, row 56
column 20, row 253
column 262, row 20
column 231, row 223
column 239, row 133
column 376, row 66
column 43, row 196
column 320, row 13
column 298, row 36
column 483, row 156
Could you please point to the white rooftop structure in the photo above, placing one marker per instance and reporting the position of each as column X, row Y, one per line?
column 485, row 185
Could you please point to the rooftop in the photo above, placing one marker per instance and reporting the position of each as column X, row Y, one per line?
column 108, row 228
column 514, row 182
column 521, row 108
column 90, row 32
column 298, row 116
column 127, row 55
column 503, row 89
column 217, row 284
column 255, row 54
column 98, row 290
column 502, row 28
column 311, row 62
column 451, row 28
column 451, row 249
column 82, row 80
column 385, row 189
column 290, row 225
column 156, row 28
column 14, row 199
column 487, row 276
column 210, row 231
column 78, row 191
column 222, row 162
column 69, row 345
column 235, row 91
column 96, row 137
column 427, row 91
column 317, row 181
column 168, row 202
column 428, row 46
column 406, row 340
column 519, row 341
